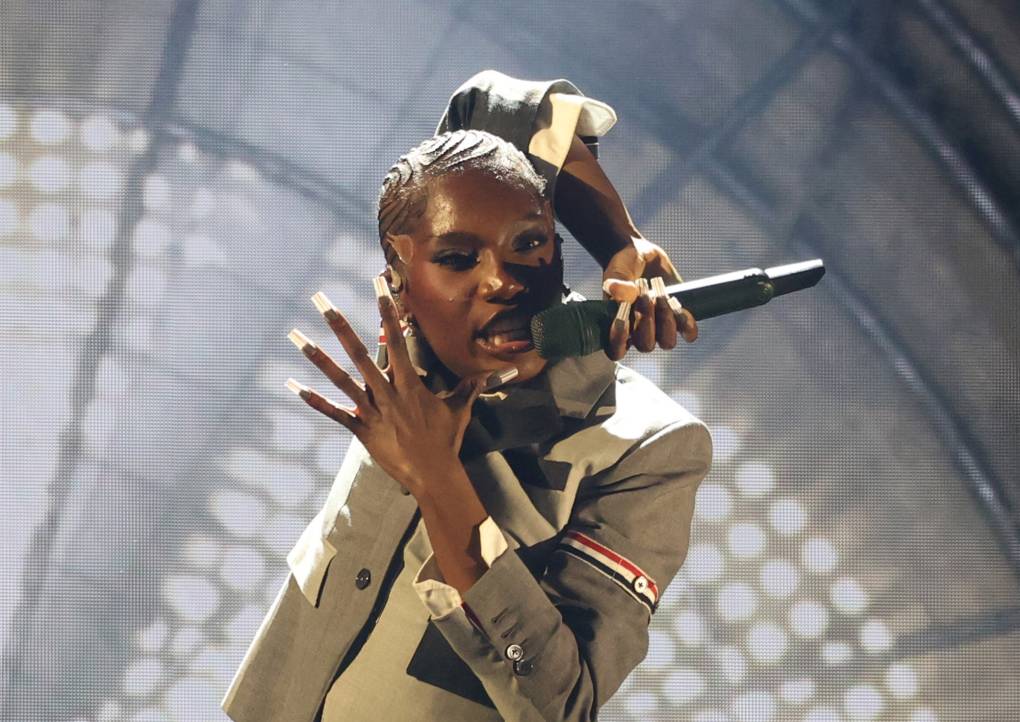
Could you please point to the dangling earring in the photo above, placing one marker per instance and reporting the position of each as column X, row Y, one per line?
column 396, row 280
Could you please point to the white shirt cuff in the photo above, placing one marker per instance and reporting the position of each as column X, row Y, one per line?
column 563, row 116
column 440, row 598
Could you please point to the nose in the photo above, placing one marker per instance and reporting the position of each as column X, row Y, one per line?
column 496, row 283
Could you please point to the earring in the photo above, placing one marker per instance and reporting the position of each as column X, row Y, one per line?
column 396, row 280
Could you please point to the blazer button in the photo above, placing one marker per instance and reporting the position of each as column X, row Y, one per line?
column 363, row 579
column 514, row 652
column 523, row 667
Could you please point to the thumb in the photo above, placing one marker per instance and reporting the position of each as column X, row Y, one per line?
column 469, row 388
column 620, row 275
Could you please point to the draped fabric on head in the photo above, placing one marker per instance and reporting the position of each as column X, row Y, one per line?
column 403, row 196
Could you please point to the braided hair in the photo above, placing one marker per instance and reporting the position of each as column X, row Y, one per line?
column 403, row 196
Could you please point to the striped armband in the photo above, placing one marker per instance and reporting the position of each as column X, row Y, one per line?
column 620, row 569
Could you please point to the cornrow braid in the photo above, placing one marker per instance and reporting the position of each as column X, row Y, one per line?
column 403, row 196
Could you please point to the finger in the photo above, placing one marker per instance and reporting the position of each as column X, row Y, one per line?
column 377, row 385
column 688, row 325
column 621, row 290
column 643, row 335
column 320, row 403
column 665, row 324
column 396, row 347
column 619, row 332
column 340, row 378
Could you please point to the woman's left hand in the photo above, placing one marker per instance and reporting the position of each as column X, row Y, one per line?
column 410, row 432
column 654, row 320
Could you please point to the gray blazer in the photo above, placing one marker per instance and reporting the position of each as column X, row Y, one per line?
column 589, row 470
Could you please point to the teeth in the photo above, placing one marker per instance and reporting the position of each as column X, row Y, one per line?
column 520, row 334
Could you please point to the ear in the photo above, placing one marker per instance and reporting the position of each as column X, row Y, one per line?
column 403, row 245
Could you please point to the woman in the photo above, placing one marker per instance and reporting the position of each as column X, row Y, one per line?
column 480, row 555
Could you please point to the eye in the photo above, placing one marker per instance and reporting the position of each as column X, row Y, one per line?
column 530, row 242
column 456, row 261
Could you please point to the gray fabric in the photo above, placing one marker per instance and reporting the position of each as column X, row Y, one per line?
column 634, row 460
column 507, row 107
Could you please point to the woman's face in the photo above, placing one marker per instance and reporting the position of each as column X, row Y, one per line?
column 483, row 259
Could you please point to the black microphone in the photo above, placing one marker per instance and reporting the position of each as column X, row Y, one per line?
column 581, row 328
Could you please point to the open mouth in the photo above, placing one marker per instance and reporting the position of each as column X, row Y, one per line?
column 507, row 333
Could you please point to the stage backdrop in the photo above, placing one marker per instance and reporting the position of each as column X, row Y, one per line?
column 177, row 179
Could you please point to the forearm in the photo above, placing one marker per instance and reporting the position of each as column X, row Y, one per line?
column 452, row 512
column 589, row 206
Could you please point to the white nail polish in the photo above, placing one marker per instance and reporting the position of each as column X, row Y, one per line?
column 382, row 289
column 322, row 303
column 623, row 311
column 658, row 287
column 675, row 304
column 642, row 285
column 297, row 387
column 304, row 344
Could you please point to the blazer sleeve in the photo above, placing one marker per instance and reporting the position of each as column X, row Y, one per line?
column 540, row 117
column 557, row 647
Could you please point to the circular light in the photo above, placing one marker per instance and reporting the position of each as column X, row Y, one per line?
column 779, row 578
column 156, row 192
column 8, row 169
column 8, row 121
column 809, row 619
column 689, row 627
column 819, row 555
column 142, row 677
column 746, row 540
column 797, row 691
column 8, row 217
column 837, row 652
column 848, row 595
column 683, row 686
column 754, row 478
column 901, row 681
column 736, row 602
column 100, row 180
column 642, row 705
column 704, row 563
column 98, row 133
column 186, row 640
column 97, row 227
column 754, row 706
column 767, row 642
column 202, row 552
column 242, row 567
column 49, row 222
column 713, row 502
column 240, row 514
column 49, row 173
column 732, row 664
column 50, row 127
column 280, row 533
column 923, row 714
column 822, row 714
column 151, row 237
column 291, row 432
column 725, row 443
column 863, row 702
column 787, row 517
column 875, row 636
column 153, row 637
column 194, row 598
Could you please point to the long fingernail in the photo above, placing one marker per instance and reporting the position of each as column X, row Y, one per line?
column 298, row 388
column 304, row 344
column 382, row 289
column 325, row 306
column 675, row 304
column 622, row 311
column 498, row 378
column 658, row 287
column 642, row 285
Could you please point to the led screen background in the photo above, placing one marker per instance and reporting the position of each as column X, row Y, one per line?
column 177, row 179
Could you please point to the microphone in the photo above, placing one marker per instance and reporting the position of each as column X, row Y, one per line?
column 581, row 328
